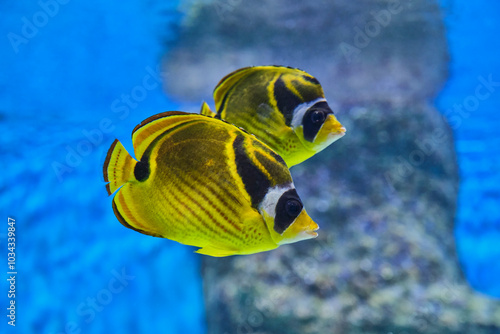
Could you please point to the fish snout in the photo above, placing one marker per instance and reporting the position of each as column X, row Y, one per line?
column 313, row 227
column 302, row 228
column 330, row 131
column 333, row 126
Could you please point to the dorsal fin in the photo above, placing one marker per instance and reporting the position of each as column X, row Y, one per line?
column 206, row 111
column 228, row 82
column 151, row 127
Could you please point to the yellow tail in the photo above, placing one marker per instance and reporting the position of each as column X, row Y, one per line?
column 205, row 110
column 118, row 167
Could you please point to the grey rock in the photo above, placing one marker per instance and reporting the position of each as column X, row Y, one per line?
column 220, row 36
column 384, row 195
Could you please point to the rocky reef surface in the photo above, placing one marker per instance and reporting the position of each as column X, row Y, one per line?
column 384, row 195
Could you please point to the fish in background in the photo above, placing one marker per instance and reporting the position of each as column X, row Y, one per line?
column 206, row 183
column 282, row 106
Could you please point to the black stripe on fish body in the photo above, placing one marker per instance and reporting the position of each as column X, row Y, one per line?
column 311, row 79
column 275, row 155
column 224, row 100
column 288, row 208
column 286, row 100
column 314, row 118
column 278, row 171
column 222, row 106
column 255, row 181
column 307, row 91
column 275, row 166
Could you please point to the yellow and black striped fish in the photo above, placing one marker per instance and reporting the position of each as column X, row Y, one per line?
column 284, row 107
column 203, row 182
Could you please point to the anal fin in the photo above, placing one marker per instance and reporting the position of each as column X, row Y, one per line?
column 216, row 252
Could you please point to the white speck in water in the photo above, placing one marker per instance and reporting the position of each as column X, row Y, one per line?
column 386, row 273
column 322, row 205
column 357, row 112
column 365, row 265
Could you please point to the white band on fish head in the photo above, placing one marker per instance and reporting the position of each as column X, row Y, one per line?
column 301, row 109
column 272, row 197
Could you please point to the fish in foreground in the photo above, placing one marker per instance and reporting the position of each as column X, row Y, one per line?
column 206, row 183
column 284, row 107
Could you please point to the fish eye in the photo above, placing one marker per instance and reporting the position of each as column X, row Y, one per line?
column 317, row 116
column 293, row 207
column 288, row 208
column 314, row 118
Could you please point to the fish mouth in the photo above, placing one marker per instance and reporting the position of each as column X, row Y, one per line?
column 336, row 135
column 302, row 228
column 330, row 132
column 340, row 132
column 313, row 232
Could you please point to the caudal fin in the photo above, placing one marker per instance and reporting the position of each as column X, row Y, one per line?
column 118, row 167
column 205, row 110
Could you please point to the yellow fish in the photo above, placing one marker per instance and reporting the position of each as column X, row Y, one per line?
column 203, row 182
column 284, row 107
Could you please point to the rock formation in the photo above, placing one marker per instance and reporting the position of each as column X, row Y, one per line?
column 384, row 195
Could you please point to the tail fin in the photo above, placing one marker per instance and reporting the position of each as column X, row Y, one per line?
column 205, row 110
column 118, row 167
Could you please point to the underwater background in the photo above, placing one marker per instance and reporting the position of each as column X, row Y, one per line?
column 77, row 75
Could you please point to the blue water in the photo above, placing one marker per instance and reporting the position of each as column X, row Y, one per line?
column 88, row 74
column 473, row 29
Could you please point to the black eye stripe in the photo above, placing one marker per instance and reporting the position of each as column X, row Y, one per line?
column 322, row 105
column 310, row 124
column 284, row 216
